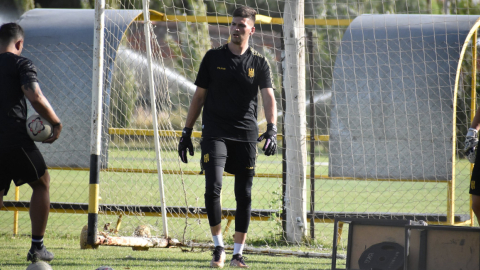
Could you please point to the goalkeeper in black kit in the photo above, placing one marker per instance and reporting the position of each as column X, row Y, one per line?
column 228, row 82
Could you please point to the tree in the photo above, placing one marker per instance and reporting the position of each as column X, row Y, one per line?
column 123, row 96
column 188, row 49
column 465, row 7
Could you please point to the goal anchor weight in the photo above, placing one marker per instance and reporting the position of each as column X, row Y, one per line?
column 144, row 243
column 137, row 243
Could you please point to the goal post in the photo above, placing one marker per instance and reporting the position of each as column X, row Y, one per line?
column 295, row 121
column 151, row 86
column 96, row 120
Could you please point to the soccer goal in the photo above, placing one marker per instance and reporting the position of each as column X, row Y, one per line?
column 393, row 78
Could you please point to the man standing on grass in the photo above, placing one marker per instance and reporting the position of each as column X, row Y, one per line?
column 228, row 82
column 20, row 158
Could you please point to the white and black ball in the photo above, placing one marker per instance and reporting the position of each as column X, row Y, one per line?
column 38, row 128
column 39, row 266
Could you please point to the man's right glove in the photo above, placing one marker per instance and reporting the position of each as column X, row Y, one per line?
column 471, row 142
column 184, row 144
column 270, row 146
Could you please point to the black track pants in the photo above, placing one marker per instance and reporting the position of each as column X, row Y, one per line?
column 243, row 196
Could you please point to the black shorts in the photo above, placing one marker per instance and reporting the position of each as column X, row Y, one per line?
column 236, row 157
column 22, row 165
column 474, row 187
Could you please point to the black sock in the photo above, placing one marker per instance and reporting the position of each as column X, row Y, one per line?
column 37, row 241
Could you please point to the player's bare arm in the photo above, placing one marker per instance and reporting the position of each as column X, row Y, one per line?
column 41, row 105
column 269, row 105
column 196, row 106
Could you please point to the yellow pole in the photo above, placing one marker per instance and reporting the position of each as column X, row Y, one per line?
column 15, row 213
column 473, row 106
column 119, row 222
column 450, row 201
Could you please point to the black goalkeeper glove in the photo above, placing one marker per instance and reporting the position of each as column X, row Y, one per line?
column 184, row 144
column 471, row 142
column 270, row 146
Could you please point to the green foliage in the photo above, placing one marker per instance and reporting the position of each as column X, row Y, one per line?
column 397, row 7
column 124, row 92
column 123, row 4
column 436, row 7
column 275, row 203
column 465, row 7
column 188, row 49
column 327, row 38
column 276, row 72
column 24, row 5
column 191, row 45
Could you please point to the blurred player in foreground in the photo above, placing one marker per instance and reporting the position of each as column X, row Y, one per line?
column 20, row 159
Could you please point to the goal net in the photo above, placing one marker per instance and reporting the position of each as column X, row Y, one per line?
column 379, row 96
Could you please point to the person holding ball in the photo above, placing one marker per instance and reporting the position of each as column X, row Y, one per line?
column 20, row 158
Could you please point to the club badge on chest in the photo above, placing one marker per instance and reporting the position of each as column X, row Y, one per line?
column 251, row 72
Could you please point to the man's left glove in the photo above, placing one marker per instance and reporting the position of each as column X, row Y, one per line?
column 471, row 142
column 185, row 143
column 270, row 146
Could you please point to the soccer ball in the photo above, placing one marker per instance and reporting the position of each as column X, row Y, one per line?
column 104, row 268
column 39, row 266
column 38, row 128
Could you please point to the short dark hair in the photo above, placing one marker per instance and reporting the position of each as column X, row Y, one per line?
column 10, row 32
column 245, row 12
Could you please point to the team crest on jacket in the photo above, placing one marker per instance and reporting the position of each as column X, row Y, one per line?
column 251, row 72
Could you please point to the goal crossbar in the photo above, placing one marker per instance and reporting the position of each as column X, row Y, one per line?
column 260, row 19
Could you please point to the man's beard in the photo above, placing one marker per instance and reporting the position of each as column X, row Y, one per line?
column 237, row 41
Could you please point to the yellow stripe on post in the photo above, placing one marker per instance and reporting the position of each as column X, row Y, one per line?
column 93, row 200
column 15, row 213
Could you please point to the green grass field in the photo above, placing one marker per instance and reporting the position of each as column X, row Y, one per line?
column 68, row 256
column 182, row 190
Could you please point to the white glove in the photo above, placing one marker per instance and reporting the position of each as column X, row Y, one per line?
column 471, row 141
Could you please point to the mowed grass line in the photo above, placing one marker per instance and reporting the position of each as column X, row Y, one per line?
column 69, row 256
